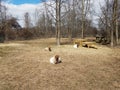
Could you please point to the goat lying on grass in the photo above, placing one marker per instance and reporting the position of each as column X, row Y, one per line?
column 75, row 45
column 55, row 59
column 48, row 49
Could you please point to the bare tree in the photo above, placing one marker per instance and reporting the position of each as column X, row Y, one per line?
column 27, row 20
column 57, row 17
column 3, row 26
column 109, row 20
column 58, row 21
column 114, row 39
column 83, row 18
column 83, row 11
column 116, row 21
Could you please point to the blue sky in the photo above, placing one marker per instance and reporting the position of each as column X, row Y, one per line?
column 18, row 2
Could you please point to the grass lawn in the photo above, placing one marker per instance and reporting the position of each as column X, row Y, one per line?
column 24, row 65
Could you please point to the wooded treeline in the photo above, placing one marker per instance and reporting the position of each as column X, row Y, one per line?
column 64, row 19
column 109, row 21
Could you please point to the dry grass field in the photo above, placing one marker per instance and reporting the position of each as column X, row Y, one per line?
column 24, row 65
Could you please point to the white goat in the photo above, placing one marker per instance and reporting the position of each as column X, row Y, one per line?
column 48, row 49
column 75, row 46
column 55, row 59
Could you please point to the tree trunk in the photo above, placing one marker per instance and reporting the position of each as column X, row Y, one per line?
column 106, row 20
column 58, row 21
column 117, row 36
column 83, row 19
column 114, row 40
column 69, row 34
column 116, row 21
column 69, row 23
column 112, row 36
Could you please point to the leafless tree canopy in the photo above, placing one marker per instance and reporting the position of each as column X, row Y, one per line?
column 65, row 19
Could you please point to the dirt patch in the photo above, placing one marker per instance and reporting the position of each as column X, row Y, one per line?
column 27, row 67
